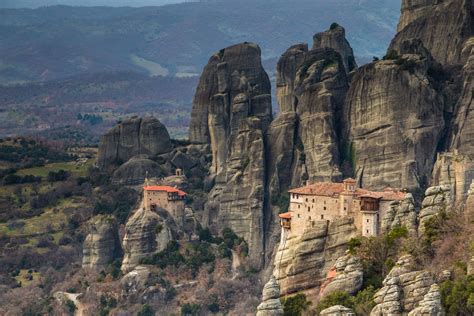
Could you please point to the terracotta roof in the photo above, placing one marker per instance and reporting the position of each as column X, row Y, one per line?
column 287, row 215
column 164, row 188
column 331, row 189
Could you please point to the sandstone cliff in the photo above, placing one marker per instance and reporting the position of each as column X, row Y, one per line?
column 401, row 214
column 301, row 264
column 132, row 137
column 337, row 310
column 437, row 199
column 134, row 171
column 394, row 121
column 102, row 245
column 349, row 276
column 442, row 26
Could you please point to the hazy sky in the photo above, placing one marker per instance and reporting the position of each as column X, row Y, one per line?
column 118, row 3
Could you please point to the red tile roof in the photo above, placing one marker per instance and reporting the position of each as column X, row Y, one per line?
column 334, row 189
column 287, row 215
column 164, row 188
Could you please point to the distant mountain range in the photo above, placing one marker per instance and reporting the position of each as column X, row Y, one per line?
column 87, row 3
column 177, row 40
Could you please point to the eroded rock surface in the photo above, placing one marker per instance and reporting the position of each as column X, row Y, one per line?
column 146, row 233
column 134, row 171
column 403, row 289
column 349, row 276
column 442, row 26
column 430, row 305
column 401, row 214
column 301, row 264
column 394, row 119
column 102, row 245
column 337, row 310
column 133, row 137
column 437, row 199
column 271, row 304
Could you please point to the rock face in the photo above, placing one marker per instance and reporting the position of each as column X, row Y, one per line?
column 102, row 245
column 132, row 137
column 442, row 26
column 146, row 233
column 231, row 112
column 349, row 276
column 394, row 120
column 337, row 310
column 301, row 264
column 437, row 199
column 403, row 289
column 271, row 304
column 335, row 38
column 134, row 171
column 430, row 305
column 401, row 214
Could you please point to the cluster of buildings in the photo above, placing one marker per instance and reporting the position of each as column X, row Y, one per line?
column 326, row 201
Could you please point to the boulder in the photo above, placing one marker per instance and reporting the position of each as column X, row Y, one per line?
column 102, row 245
column 135, row 282
column 337, row 310
column 271, row 304
column 133, row 137
column 134, row 171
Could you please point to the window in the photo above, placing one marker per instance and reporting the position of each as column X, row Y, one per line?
column 308, row 208
column 310, row 218
column 306, row 199
column 313, row 200
column 299, row 206
column 322, row 216
column 368, row 221
column 324, row 208
column 299, row 216
column 367, row 231
column 345, row 208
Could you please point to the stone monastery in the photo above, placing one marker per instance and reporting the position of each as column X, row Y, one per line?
column 326, row 201
column 166, row 197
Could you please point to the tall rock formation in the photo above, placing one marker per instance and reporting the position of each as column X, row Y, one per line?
column 337, row 310
column 394, row 120
column 349, row 276
column 146, row 233
column 102, row 245
column 231, row 112
column 442, row 26
column 430, row 305
column 302, row 263
column 132, row 137
column 271, row 304
column 335, row 38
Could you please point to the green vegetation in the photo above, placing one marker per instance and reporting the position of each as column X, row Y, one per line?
column 146, row 310
column 334, row 26
column 190, row 309
column 282, row 201
column 361, row 304
column 295, row 305
column 458, row 295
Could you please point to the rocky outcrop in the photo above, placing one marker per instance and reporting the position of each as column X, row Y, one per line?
column 394, row 120
column 437, row 199
column 301, row 263
column 442, row 26
column 430, row 305
column 146, row 233
column 335, row 38
column 132, row 137
column 403, row 289
column 231, row 112
column 102, row 245
column 349, row 276
column 134, row 171
column 337, row 310
column 401, row 214
column 135, row 282
column 271, row 304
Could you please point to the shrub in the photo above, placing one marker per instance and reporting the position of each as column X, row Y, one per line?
column 71, row 307
column 391, row 55
column 61, row 175
column 146, row 310
column 336, row 298
column 333, row 26
column 295, row 305
column 190, row 309
column 458, row 296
